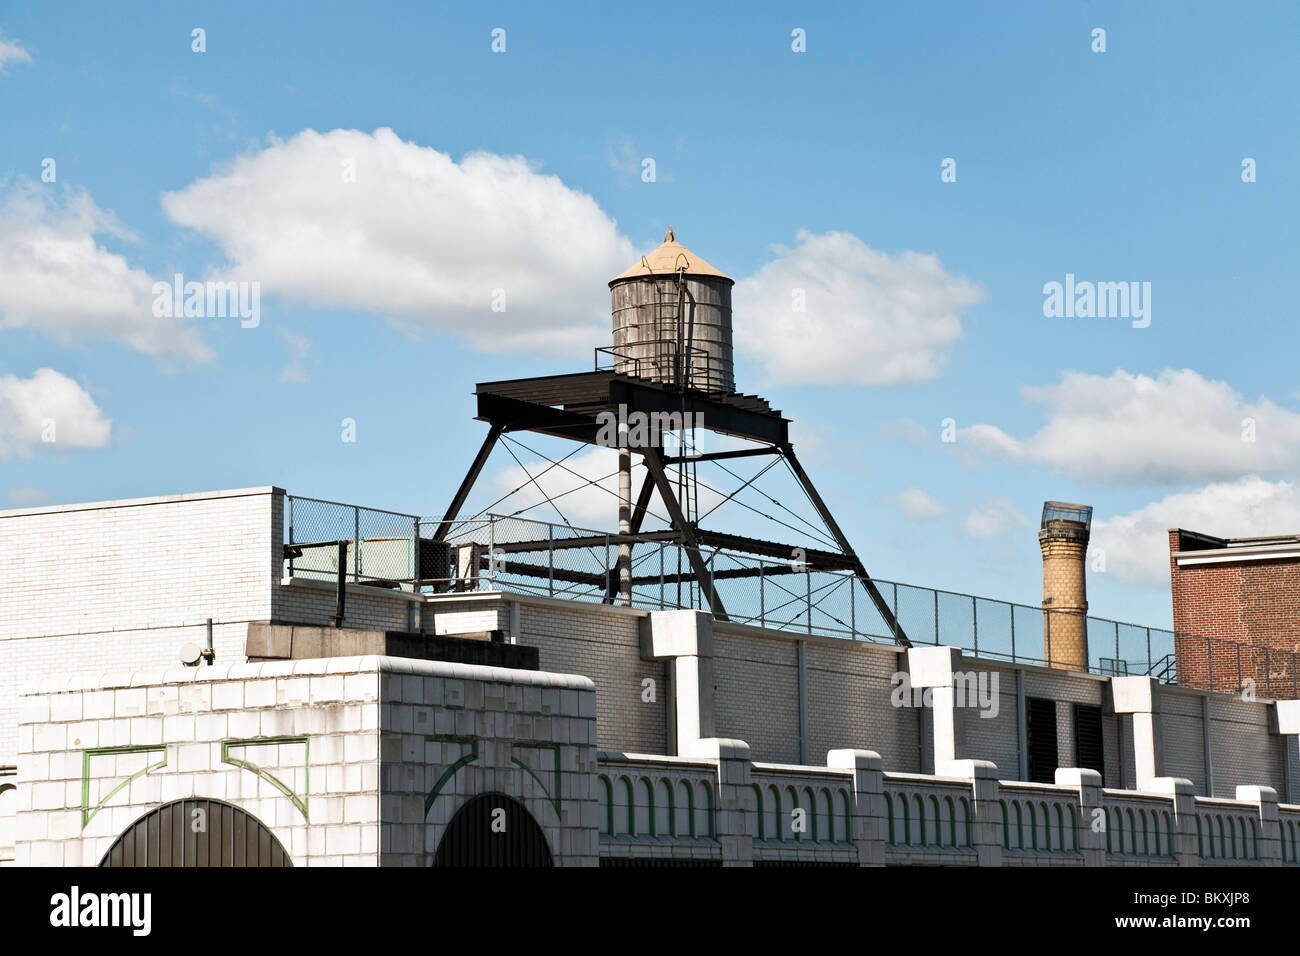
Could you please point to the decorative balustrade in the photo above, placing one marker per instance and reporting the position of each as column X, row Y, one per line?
column 658, row 810
column 1288, row 820
column 928, row 812
column 1227, row 831
column 655, row 798
column 800, row 805
column 1138, row 826
column 1037, row 818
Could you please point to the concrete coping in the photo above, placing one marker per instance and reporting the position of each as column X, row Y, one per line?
column 139, row 502
column 899, row 777
column 793, row 768
column 371, row 663
column 1030, row 786
column 686, row 762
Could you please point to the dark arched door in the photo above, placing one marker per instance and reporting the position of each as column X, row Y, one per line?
column 197, row 832
column 493, row 830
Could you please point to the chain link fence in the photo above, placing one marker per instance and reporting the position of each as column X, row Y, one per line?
column 522, row 555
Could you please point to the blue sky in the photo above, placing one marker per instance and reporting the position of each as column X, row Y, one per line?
column 1117, row 166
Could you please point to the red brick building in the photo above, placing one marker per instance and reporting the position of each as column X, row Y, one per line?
column 1236, row 611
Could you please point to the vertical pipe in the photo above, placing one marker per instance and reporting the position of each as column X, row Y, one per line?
column 1209, row 660
column 356, row 542
column 211, row 653
column 340, row 598
column 624, row 514
column 291, row 534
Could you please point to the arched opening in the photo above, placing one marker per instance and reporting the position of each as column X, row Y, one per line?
column 197, row 832
column 493, row 830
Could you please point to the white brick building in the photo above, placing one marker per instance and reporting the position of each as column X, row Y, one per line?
column 642, row 735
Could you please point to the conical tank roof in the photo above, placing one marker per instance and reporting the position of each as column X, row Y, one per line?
column 667, row 260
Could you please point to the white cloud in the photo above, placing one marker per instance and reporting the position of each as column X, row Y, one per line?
column 12, row 52
column 585, row 488
column 417, row 237
column 1177, row 426
column 994, row 518
column 51, row 409
column 299, row 346
column 918, row 505
column 56, row 277
column 1136, row 545
column 870, row 319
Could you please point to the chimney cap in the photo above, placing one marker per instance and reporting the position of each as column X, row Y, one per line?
column 1064, row 511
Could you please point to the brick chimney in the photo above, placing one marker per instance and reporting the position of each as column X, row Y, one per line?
column 1063, row 539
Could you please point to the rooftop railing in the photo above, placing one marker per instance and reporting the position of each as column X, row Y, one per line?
column 524, row 555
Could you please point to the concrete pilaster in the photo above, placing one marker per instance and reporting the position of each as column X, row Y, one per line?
column 1186, row 849
column 983, row 777
column 734, row 794
column 1140, row 697
column 1270, row 833
column 1091, row 836
column 869, row 824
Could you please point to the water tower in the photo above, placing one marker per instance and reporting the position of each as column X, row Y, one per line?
column 672, row 320
column 671, row 356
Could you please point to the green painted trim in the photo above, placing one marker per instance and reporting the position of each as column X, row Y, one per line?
column 557, row 797
column 87, row 813
column 272, row 779
column 450, row 772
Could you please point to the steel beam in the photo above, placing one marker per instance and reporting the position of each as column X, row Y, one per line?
column 876, row 598
column 467, row 484
column 655, row 465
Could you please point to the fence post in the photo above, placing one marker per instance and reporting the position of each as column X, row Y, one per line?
column 661, row 575
column 356, row 540
column 807, row 577
column 492, row 553
column 762, row 603
column 1149, row 662
column 1013, row 632
column 853, row 607
column 936, row 617
column 550, row 559
column 975, row 624
column 1117, row 648
column 290, row 534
